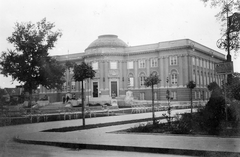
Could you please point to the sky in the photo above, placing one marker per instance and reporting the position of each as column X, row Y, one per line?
column 136, row 22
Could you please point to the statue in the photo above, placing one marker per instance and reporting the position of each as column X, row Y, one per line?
column 129, row 98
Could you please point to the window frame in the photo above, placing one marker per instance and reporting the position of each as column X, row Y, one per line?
column 174, row 78
column 173, row 60
column 154, row 62
column 142, row 64
column 128, row 65
column 95, row 66
column 112, row 66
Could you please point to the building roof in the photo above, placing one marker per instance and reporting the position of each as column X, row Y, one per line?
column 111, row 44
column 107, row 41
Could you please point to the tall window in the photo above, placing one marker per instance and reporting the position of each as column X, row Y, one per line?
column 174, row 78
column 204, row 64
column 73, row 85
column 201, row 78
column 205, row 76
column 154, row 62
column 194, row 76
column 197, row 63
column 199, row 94
column 208, row 82
column 173, row 60
column 95, row 65
column 71, row 70
column 142, row 79
column 142, row 96
column 193, row 60
column 174, row 95
column 155, row 95
column 200, row 62
column 113, row 65
column 130, row 64
column 198, row 77
column 142, row 64
column 64, row 86
column 131, row 80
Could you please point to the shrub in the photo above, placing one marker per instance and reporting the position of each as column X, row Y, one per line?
column 107, row 104
column 213, row 115
column 183, row 125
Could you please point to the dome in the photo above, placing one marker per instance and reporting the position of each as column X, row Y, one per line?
column 107, row 41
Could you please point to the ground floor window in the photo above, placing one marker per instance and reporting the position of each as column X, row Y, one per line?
column 142, row 96
column 155, row 95
column 174, row 95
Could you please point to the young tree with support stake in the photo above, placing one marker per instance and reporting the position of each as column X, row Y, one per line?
column 29, row 63
column 152, row 80
column 191, row 85
column 82, row 72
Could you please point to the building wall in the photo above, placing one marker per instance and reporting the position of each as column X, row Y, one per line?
column 188, row 68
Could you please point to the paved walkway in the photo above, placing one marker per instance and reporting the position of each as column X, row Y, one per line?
column 108, row 138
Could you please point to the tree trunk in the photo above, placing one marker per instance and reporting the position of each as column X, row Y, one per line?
column 153, row 114
column 191, row 100
column 83, row 106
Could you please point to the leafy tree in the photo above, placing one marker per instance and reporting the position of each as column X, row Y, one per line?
column 69, row 65
column 191, row 85
column 214, row 112
column 29, row 63
column 150, row 81
column 233, row 88
column 230, row 29
column 2, row 99
column 82, row 72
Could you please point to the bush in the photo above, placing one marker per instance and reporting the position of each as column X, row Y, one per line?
column 213, row 115
column 183, row 125
column 107, row 104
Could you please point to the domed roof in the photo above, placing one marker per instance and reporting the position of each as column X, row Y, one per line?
column 108, row 41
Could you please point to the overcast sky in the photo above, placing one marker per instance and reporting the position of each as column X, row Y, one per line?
column 137, row 22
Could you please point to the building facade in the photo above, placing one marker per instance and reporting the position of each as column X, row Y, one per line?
column 120, row 68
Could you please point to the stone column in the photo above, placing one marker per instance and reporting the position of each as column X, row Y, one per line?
column 106, row 75
column 121, row 81
column 148, row 66
column 180, row 75
column 136, row 74
column 161, row 66
column 185, row 70
column 101, row 73
column 166, row 70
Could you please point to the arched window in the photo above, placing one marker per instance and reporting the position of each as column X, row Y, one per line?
column 73, row 85
column 64, row 86
column 194, row 76
column 130, row 80
column 201, row 78
column 142, row 79
column 174, row 77
column 205, row 76
column 198, row 77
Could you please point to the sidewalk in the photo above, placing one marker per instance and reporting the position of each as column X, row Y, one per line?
column 106, row 138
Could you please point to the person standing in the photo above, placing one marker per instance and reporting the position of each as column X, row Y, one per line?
column 64, row 99
column 67, row 98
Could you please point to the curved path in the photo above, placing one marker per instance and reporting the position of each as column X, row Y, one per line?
column 105, row 138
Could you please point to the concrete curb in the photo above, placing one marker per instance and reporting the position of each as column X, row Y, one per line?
column 131, row 148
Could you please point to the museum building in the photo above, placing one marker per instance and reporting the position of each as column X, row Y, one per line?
column 120, row 68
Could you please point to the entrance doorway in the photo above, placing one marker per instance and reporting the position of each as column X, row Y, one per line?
column 95, row 89
column 114, row 90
